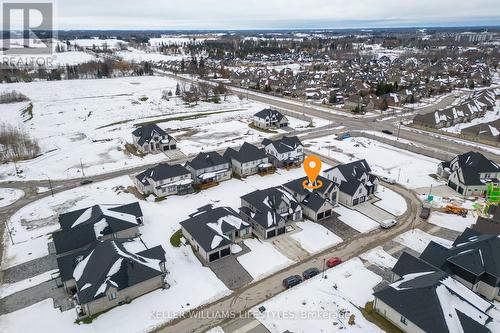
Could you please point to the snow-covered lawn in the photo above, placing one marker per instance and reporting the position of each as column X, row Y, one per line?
column 316, row 306
column 356, row 220
column 418, row 240
column 409, row 169
column 9, row 195
column 452, row 221
column 379, row 257
column 391, row 201
column 11, row 288
column 314, row 237
column 263, row 259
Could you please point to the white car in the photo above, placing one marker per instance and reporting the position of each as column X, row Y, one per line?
column 388, row 224
column 388, row 180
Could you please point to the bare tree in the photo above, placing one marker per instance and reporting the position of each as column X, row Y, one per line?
column 205, row 90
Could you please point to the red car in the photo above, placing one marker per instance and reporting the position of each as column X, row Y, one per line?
column 332, row 262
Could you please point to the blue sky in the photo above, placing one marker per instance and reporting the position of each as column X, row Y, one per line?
column 272, row 14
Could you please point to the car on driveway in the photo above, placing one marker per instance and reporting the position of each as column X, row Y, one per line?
column 310, row 272
column 292, row 281
column 332, row 262
column 388, row 224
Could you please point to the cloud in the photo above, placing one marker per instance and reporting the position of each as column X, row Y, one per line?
column 254, row 14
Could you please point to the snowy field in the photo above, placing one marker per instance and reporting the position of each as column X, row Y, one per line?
column 390, row 201
column 316, row 306
column 409, row 169
column 314, row 237
column 452, row 221
column 417, row 240
column 92, row 120
column 356, row 220
column 9, row 195
column 263, row 259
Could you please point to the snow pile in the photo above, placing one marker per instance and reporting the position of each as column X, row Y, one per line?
column 9, row 195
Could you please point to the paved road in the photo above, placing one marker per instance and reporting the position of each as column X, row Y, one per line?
column 245, row 298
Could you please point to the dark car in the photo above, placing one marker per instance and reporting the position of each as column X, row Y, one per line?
column 292, row 281
column 86, row 182
column 332, row 262
column 387, row 132
column 310, row 272
column 424, row 214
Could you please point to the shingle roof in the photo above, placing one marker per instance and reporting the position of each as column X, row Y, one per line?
column 206, row 160
column 270, row 114
column 247, row 153
column 208, row 226
column 163, row 171
column 83, row 226
column 408, row 264
column 110, row 264
column 146, row 132
column 436, row 303
column 285, row 144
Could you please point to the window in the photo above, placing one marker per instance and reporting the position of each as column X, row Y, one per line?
column 403, row 320
column 112, row 295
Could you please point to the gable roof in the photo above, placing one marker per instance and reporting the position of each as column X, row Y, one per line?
column 209, row 225
column 84, row 226
column 266, row 203
column 110, row 264
column 206, row 160
column 146, row 132
column 477, row 254
column 353, row 170
column 436, row 303
column 162, row 171
column 269, row 114
column 284, row 145
column 247, row 153
column 408, row 264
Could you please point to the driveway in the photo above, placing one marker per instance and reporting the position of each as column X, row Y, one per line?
column 338, row 227
column 230, row 271
column 289, row 247
column 373, row 212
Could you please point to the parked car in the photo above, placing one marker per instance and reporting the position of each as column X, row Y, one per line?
column 388, row 224
column 426, row 210
column 310, row 272
column 332, row 262
column 388, row 180
column 387, row 132
column 86, row 182
column 292, row 281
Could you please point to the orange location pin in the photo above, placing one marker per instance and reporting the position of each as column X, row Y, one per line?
column 312, row 167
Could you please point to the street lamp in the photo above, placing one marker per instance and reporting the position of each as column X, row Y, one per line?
column 50, row 184
column 323, row 270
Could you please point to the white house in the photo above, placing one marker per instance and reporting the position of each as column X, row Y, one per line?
column 356, row 183
column 269, row 118
column 209, row 169
column 248, row 160
column 152, row 139
column 163, row 180
column 285, row 152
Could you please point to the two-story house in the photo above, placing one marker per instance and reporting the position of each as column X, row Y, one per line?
column 209, row 169
column 316, row 204
column 356, row 182
column 469, row 173
column 270, row 211
column 109, row 273
column 269, row 118
column 152, row 139
column 211, row 231
column 248, row 160
column 83, row 227
column 164, row 179
column 286, row 152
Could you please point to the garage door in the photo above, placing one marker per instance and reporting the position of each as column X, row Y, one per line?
column 225, row 252
column 355, row 202
column 452, row 185
column 362, row 199
column 320, row 216
column 460, row 190
column 213, row 256
column 271, row 233
column 281, row 231
column 328, row 213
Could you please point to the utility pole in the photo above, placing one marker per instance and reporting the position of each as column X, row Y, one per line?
column 50, row 185
column 323, row 270
column 81, row 165
column 399, row 174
